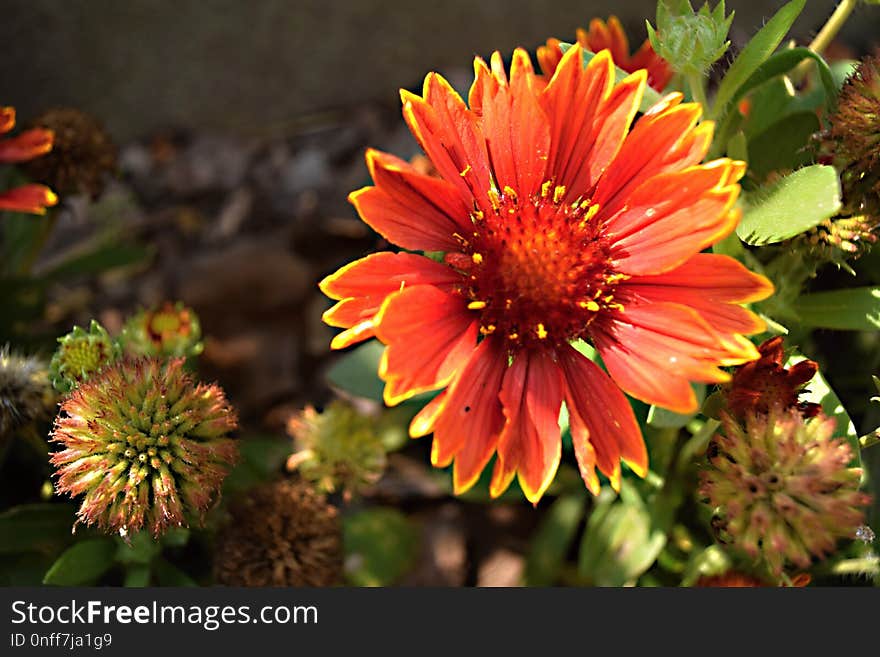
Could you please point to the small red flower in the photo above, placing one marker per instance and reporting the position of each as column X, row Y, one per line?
column 611, row 36
column 765, row 383
column 29, row 144
column 558, row 225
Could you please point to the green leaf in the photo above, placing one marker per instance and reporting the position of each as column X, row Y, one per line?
column 26, row 569
column 381, row 545
column 790, row 206
column 167, row 574
column 36, row 528
column 782, row 62
column 356, row 371
column 853, row 309
column 619, row 543
column 82, row 563
column 784, row 145
column 650, row 96
column 104, row 258
column 142, row 549
column 137, row 576
column 552, row 540
column 756, row 52
column 663, row 418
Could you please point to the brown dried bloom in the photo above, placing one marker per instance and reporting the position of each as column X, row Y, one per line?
column 281, row 534
column 762, row 384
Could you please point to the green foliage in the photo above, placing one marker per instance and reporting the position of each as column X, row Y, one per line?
column 553, row 538
column 690, row 41
column 790, row 206
column 755, row 52
column 83, row 563
column 851, row 309
column 381, row 545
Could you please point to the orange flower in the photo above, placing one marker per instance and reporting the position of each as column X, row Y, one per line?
column 557, row 226
column 25, row 146
column 611, row 36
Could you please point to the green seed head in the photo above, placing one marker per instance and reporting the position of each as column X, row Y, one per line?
column 81, row 354
column 169, row 330
column 690, row 41
column 782, row 488
column 145, row 446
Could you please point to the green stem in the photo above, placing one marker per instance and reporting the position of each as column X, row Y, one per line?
column 826, row 35
column 698, row 90
column 869, row 440
column 832, row 27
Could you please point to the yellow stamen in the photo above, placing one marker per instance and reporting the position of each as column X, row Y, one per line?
column 476, row 305
column 477, row 258
column 590, row 214
column 477, row 215
column 513, row 336
column 545, row 189
column 558, row 193
column 542, row 332
column 465, row 171
column 494, row 199
column 510, row 192
column 488, row 330
column 592, row 306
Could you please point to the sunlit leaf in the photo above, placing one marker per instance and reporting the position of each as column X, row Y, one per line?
column 853, row 309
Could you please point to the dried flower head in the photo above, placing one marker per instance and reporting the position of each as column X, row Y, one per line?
column 145, row 445
column 83, row 155
column 167, row 330
column 81, row 354
column 783, row 488
column 338, row 449
column 281, row 534
column 838, row 239
column 25, row 392
column 766, row 383
column 27, row 145
column 852, row 143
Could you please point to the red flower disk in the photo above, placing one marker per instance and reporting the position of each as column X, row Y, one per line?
column 558, row 225
column 33, row 199
column 611, row 35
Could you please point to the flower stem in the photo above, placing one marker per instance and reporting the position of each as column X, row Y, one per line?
column 826, row 35
column 832, row 27
column 698, row 90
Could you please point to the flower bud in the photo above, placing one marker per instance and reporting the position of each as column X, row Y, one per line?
column 145, row 445
column 81, row 354
column 281, row 534
column 690, row 41
column 168, row 330
column 338, row 449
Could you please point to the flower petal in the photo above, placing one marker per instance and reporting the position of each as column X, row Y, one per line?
column 27, row 145
column 589, row 117
column 33, row 199
column 604, row 429
column 663, row 139
column 530, row 443
column 363, row 285
column 672, row 217
column 428, row 335
column 450, row 135
column 710, row 284
column 652, row 351
column 516, row 131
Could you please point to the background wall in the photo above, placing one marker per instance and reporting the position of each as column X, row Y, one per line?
column 232, row 65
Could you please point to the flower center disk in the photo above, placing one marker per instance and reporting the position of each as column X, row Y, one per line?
column 537, row 269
